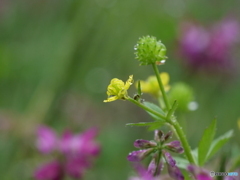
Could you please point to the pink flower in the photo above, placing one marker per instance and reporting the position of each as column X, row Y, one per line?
column 209, row 50
column 76, row 166
column 76, row 152
column 83, row 144
column 46, row 140
column 50, row 171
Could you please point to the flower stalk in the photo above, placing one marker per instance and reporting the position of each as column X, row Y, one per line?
column 161, row 86
column 183, row 139
column 146, row 108
column 177, row 128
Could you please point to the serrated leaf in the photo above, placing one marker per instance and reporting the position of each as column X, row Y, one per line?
column 155, row 108
column 205, row 142
column 218, row 143
column 152, row 125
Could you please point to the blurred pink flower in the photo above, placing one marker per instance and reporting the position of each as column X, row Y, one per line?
column 76, row 152
column 199, row 173
column 209, row 50
column 49, row 171
column 144, row 174
column 76, row 166
column 46, row 139
column 83, row 144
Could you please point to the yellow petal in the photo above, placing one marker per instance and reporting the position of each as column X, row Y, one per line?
column 110, row 99
column 129, row 82
column 144, row 86
column 165, row 78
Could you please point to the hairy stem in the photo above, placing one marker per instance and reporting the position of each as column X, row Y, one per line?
column 182, row 137
column 161, row 86
column 158, row 163
column 146, row 108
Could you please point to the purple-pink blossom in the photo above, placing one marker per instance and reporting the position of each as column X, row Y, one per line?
column 49, row 171
column 75, row 153
column 46, row 140
column 209, row 49
column 139, row 155
column 158, row 148
column 173, row 170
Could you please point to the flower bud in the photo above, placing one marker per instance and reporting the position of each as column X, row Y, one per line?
column 141, row 143
column 168, row 135
column 136, row 156
column 175, row 146
column 153, row 167
column 169, row 159
column 149, row 50
column 158, row 136
column 173, row 170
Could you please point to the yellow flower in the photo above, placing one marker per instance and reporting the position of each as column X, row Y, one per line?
column 117, row 89
column 151, row 84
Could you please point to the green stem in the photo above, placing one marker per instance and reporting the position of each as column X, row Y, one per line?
column 175, row 124
column 172, row 110
column 146, row 108
column 158, row 162
column 161, row 86
column 183, row 139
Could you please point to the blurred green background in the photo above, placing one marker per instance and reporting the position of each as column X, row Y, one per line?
column 57, row 58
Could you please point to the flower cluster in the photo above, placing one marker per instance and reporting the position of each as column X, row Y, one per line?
column 209, row 49
column 75, row 153
column 149, row 50
column 158, row 148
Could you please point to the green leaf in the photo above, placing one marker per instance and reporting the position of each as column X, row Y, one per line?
column 155, row 108
column 155, row 126
column 218, row 143
column 235, row 164
column 205, row 143
column 181, row 162
column 152, row 125
column 195, row 154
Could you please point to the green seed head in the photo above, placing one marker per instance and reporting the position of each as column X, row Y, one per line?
column 148, row 51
